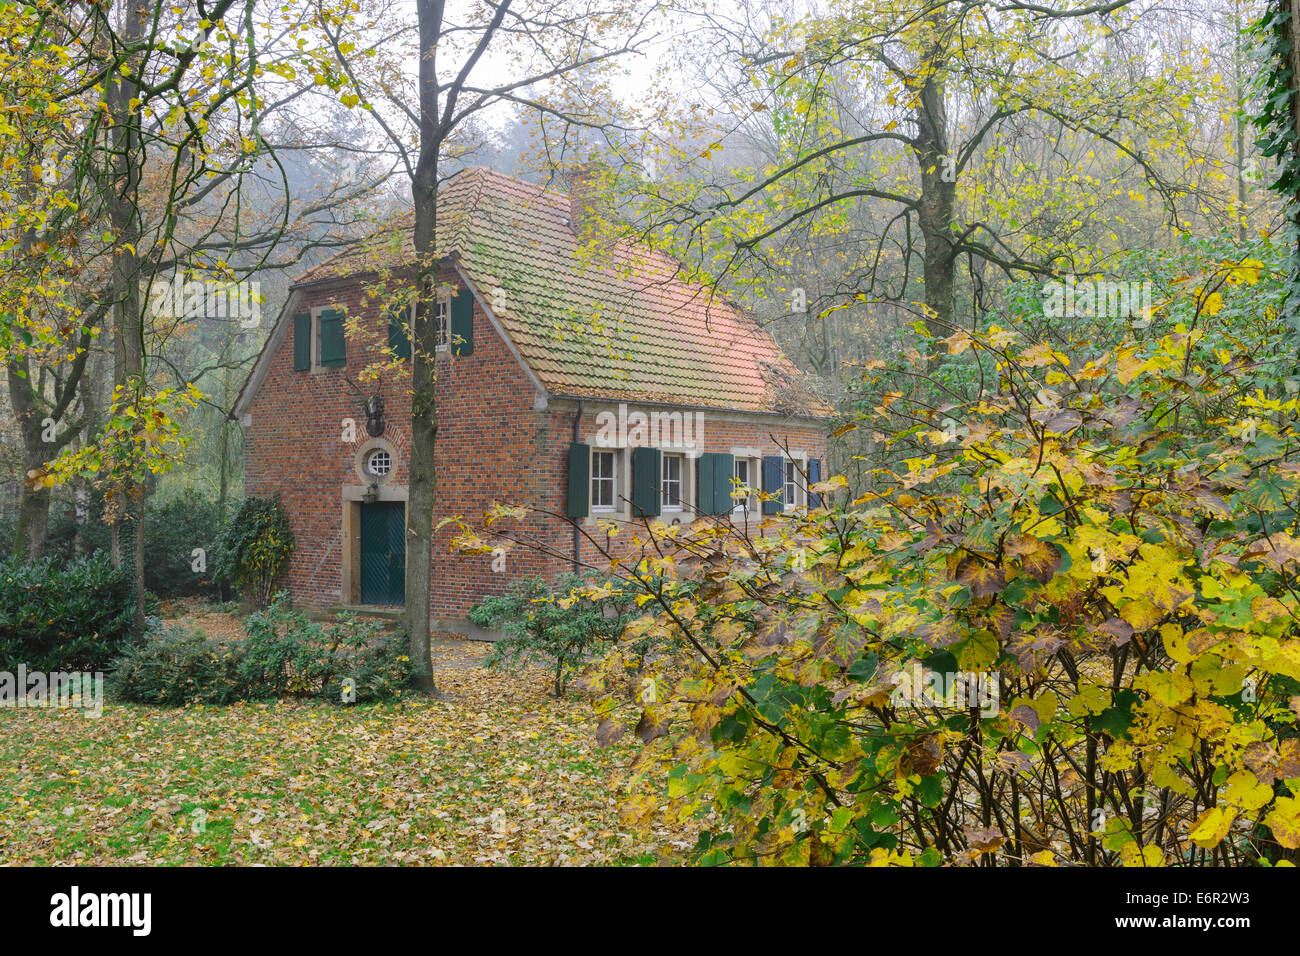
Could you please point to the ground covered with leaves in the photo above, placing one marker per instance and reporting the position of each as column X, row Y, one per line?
column 499, row 773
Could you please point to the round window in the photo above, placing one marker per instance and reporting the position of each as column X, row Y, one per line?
column 379, row 463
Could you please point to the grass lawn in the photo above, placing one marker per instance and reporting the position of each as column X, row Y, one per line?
column 502, row 773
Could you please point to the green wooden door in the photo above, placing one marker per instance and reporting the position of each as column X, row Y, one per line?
column 383, row 553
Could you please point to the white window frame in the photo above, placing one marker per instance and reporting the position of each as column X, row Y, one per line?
column 622, row 477
column 683, row 484
column 745, row 504
column 372, row 453
column 615, row 457
column 753, row 455
column 800, row 465
column 441, row 314
column 442, row 321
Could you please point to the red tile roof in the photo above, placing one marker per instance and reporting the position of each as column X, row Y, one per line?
column 624, row 328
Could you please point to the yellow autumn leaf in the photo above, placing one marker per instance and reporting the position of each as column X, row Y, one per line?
column 1246, row 792
column 1247, row 272
column 1212, row 826
column 1284, row 821
column 1130, row 855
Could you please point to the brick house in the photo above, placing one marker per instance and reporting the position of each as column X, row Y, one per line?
column 591, row 391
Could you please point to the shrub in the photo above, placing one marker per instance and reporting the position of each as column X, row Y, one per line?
column 60, row 616
column 285, row 654
column 174, row 666
column 172, row 531
column 555, row 628
column 1067, row 633
column 254, row 546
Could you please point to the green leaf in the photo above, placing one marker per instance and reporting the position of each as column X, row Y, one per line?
column 1117, row 720
column 930, row 791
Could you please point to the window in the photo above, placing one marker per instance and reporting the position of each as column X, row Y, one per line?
column 672, row 482
column 379, row 463
column 790, row 491
column 745, row 479
column 604, row 489
column 328, row 339
column 441, row 322
column 441, row 327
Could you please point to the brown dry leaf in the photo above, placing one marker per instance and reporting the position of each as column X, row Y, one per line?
column 986, row 840
column 922, row 756
column 500, row 772
column 982, row 578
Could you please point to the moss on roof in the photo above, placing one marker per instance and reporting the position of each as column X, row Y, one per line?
column 617, row 325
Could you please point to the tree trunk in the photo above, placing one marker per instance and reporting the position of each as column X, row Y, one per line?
column 81, row 515
column 223, row 479
column 938, row 199
column 128, row 330
column 33, row 522
column 34, row 502
column 36, row 418
column 1290, row 28
column 91, row 395
column 422, row 487
column 27, row 393
column 1239, row 123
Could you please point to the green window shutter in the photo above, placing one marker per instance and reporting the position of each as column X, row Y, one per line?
column 814, row 476
column 462, row 323
column 399, row 339
column 773, row 483
column 579, row 479
column 646, row 465
column 705, row 482
column 715, row 483
column 302, row 342
column 333, row 345
column 726, row 470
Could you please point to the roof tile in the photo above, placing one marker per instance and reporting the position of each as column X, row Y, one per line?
column 620, row 326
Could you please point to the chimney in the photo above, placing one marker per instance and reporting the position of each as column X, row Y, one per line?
column 585, row 208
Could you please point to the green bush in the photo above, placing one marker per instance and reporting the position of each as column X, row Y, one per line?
column 64, row 616
column 172, row 531
column 553, row 627
column 285, row 654
column 254, row 547
column 173, row 666
column 8, row 526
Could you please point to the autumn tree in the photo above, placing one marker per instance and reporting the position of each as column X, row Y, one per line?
column 471, row 59
column 1016, row 140
column 158, row 160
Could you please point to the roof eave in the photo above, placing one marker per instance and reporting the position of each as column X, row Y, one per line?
column 688, row 406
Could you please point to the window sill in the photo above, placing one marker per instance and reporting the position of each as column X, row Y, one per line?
column 624, row 517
